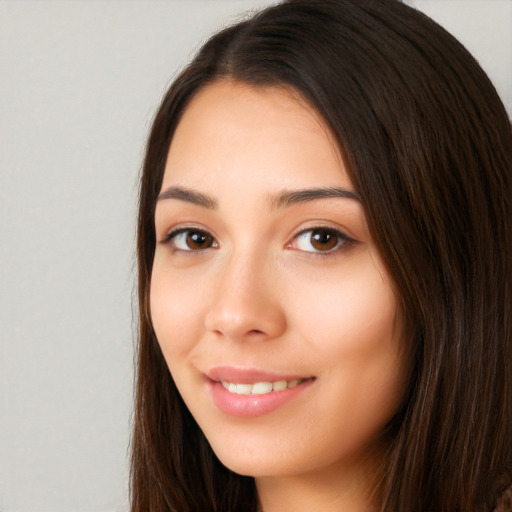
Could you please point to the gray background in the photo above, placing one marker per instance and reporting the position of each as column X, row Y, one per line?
column 79, row 81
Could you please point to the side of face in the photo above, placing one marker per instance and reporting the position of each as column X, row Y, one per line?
column 265, row 272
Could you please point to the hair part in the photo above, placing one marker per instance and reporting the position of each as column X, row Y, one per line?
column 428, row 147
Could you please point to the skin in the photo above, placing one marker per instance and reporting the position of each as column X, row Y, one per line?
column 257, row 295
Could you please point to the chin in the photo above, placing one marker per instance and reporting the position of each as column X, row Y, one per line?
column 255, row 459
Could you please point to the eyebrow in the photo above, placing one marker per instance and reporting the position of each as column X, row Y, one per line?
column 190, row 196
column 282, row 200
column 291, row 198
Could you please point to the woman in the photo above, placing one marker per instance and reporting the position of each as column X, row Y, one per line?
column 324, row 243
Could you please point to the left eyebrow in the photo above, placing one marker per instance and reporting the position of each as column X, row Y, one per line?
column 287, row 199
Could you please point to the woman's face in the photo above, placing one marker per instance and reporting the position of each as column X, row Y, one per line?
column 269, row 300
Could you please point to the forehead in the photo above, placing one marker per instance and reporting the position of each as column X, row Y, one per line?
column 231, row 130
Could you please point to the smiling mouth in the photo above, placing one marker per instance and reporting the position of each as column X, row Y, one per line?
column 250, row 392
column 262, row 388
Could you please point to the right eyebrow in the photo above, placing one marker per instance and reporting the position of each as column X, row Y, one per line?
column 190, row 196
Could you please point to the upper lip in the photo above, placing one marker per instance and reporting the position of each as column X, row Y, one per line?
column 248, row 375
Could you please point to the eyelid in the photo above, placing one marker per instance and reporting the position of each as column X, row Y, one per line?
column 181, row 227
column 344, row 240
column 173, row 233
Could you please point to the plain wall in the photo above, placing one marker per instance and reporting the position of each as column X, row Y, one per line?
column 79, row 82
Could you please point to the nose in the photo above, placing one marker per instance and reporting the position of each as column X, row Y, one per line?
column 247, row 303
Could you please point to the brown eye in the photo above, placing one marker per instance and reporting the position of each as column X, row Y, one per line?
column 189, row 240
column 323, row 240
column 196, row 240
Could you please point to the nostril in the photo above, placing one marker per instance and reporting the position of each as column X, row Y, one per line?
column 248, row 317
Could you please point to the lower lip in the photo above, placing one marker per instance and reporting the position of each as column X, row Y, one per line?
column 249, row 406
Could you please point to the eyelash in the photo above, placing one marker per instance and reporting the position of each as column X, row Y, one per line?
column 343, row 241
column 170, row 239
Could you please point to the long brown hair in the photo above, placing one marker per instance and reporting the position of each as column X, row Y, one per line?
column 429, row 149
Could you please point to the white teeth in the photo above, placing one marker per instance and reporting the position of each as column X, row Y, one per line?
column 260, row 388
column 243, row 389
column 279, row 385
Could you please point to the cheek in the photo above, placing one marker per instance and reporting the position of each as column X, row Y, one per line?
column 175, row 311
column 350, row 324
column 352, row 312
